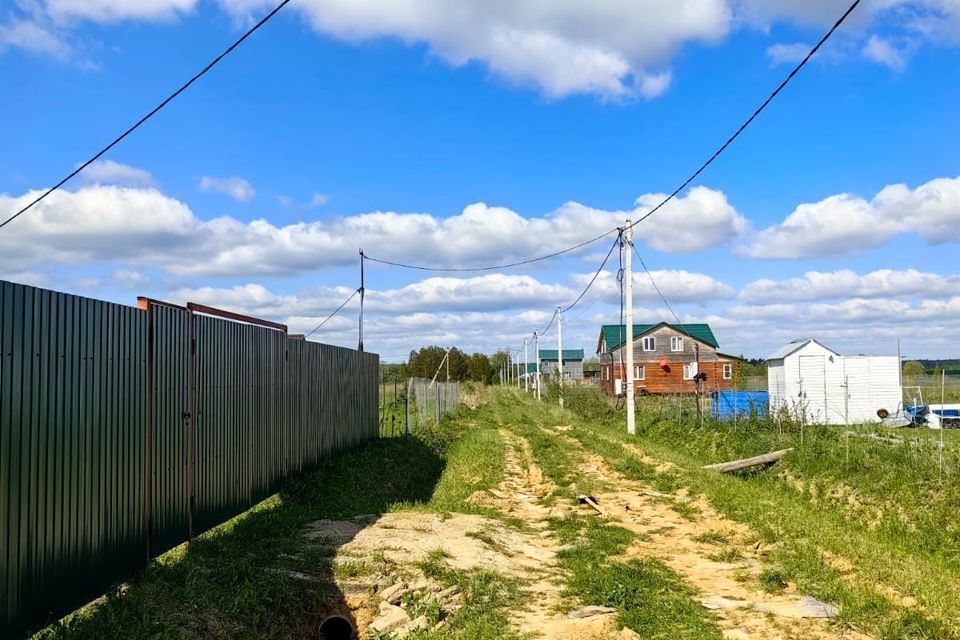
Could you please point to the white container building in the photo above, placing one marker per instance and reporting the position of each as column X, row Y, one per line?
column 821, row 386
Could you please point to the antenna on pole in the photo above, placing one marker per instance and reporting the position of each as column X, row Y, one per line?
column 362, row 292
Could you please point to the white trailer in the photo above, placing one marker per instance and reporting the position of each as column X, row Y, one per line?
column 820, row 386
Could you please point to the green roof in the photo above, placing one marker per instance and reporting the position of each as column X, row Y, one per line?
column 613, row 333
column 568, row 354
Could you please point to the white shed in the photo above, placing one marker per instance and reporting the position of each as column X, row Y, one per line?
column 812, row 380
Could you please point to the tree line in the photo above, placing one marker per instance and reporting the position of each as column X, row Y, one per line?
column 425, row 363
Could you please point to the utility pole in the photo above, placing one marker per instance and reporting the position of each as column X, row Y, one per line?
column 518, row 367
column 526, row 366
column 361, row 300
column 627, row 241
column 560, row 350
column 536, row 357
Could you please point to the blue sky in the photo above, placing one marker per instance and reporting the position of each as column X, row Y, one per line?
column 479, row 133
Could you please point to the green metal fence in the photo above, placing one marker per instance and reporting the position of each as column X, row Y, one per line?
column 125, row 431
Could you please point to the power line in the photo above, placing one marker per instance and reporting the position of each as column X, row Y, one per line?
column 594, row 278
column 335, row 312
column 149, row 115
column 549, row 324
column 491, row 267
column 655, row 287
column 686, row 182
column 753, row 116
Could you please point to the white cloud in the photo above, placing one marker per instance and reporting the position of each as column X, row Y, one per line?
column 815, row 285
column 788, row 53
column 677, row 286
column 117, row 10
column 234, row 187
column 31, row 278
column 845, row 224
column 701, row 220
column 145, row 227
column 33, row 37
column 129, row 279
column 110, row 172
column 881, row 51
column 318, row 200
column 606, row 47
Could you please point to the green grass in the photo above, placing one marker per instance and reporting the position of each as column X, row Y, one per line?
column 487, row 598
column 648, row 596
column 257, row 576
column 880, row 507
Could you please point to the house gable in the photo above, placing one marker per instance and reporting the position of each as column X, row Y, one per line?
column 612, row 335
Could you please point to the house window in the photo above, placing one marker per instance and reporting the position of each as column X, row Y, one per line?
column 649, row 343
column 639, row 373
column 727, row 371
column 689, row 371
column 606, row 373
column 676, row 343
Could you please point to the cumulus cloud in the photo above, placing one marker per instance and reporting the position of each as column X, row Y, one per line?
column 787, row 53
column 146, row 227
column 677, row 286
column 318, row 200
column 234, row 187
column 604, row 47
column 845, row 283
column 845, row 224
column 110, row 172
column 883, row 52
column 33, row 37
column 117, row 10
column 483, row 314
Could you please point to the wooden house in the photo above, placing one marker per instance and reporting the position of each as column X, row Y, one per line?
column 667, row 359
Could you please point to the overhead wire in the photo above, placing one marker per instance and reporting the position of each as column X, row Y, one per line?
column 683, row 185
column 149, row 115
column 655, row 287
column 753, row 116
column 491, row 267
column 335, row 312
column 594, row 278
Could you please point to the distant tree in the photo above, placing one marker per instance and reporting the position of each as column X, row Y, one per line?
column 591, row 364
column 393, row 372
column 480, row 370
column 497, row 361
column 459, row 366
column 425, row 362
column 913, row 368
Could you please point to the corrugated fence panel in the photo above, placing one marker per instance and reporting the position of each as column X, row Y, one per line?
column 241, row 429
column 171, row 349
column 72, row 477
column 85, row 497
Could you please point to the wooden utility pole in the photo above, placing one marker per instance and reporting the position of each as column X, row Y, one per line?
column 628, row 330
column 560, row 350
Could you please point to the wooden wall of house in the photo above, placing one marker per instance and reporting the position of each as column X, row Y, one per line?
column 670, row 380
